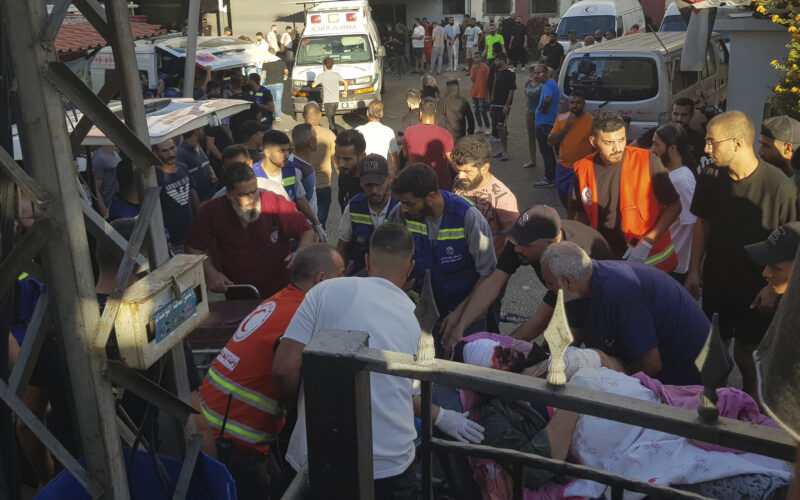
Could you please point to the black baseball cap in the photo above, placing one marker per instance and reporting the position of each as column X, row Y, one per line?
column 780, row 246
column 535, row 223
column 373, row 169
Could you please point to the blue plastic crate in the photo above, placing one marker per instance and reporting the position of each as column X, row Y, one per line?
column 210, row 481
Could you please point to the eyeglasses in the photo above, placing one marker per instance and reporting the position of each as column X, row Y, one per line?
column 711, row 143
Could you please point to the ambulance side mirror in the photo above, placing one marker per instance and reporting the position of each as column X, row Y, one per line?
column 381, row 51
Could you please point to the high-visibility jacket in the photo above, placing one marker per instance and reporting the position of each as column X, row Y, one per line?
column 452, row 267
column 243, row 369
column 288, row 178
column 362, row 229
column 638, row 204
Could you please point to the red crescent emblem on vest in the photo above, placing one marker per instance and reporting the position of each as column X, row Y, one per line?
column 253, row 321
column 586, row 196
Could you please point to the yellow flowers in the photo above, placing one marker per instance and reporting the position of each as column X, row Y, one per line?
column 795, row 90
column 778, row 88
column 761, row 10
column 792, row 29
column 775, row 18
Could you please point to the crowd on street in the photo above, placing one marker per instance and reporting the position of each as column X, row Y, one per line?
column 651, row 247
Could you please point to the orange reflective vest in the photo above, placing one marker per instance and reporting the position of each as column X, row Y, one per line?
column 243, row 369
column 638, row 204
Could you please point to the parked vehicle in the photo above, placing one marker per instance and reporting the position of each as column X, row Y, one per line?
column 587, row 16
column 639, row 77
column 345, row 32
column 161, row 57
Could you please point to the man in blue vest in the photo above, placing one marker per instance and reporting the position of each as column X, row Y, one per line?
column 451, row 237
column 276, row 167
column 365, row 211
column 262, row 100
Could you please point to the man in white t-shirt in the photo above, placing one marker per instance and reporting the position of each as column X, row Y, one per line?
column 472, row 35
column 379, row 306
column 380, row 138
column 417, row 46
column 671, row 145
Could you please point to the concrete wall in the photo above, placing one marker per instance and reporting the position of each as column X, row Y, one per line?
column 754, row 43
column 251, row 16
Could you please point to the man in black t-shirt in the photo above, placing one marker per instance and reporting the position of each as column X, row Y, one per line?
column 535, row 230
column 738, row 201
column 553, row 54
column 501, row 97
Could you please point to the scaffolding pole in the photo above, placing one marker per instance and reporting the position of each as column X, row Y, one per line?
column 66, row 252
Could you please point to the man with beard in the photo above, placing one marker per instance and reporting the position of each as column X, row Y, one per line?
column 636, row 313
column 179, row 200
column 349, row 150
column 250, row 230
column 366, row 211
column 276, row 167
column 625, row 193
column 534, row 231
column 451, row 237
column 738, row 201
column 570, row 135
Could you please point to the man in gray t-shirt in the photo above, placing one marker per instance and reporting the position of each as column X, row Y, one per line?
column 330, row 81
column 104, row 167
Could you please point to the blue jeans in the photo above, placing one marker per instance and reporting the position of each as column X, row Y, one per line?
column 276, row 89
column 323, row 204
column 542, row 132
column 481, row 116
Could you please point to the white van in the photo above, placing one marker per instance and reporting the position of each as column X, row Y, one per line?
column 163, row 56
column 587, row 16
column 345, row 32
column 639, row 77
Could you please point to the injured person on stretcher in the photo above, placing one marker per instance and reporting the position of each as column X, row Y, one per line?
column 623, row 449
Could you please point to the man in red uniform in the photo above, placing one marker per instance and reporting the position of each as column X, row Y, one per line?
column 242, row 373
column 250, row 231
column 625, row 193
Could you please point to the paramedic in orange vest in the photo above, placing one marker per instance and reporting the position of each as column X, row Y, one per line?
column 625, row 193
column 242, row 373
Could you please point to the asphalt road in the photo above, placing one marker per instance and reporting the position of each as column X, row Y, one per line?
column 524, row 290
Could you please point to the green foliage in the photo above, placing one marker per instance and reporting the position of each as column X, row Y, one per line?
column 786, row 94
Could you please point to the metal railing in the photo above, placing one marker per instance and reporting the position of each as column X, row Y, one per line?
column 336, row 368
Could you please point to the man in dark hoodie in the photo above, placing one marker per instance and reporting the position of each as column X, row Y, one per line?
column 453, row 112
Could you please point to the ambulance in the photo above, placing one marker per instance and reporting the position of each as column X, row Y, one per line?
column 345, row 32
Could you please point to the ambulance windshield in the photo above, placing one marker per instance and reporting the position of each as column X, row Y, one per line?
column 345, row 49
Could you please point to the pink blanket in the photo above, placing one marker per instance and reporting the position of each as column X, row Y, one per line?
column 732, row 403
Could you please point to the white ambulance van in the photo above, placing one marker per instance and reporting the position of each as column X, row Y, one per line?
column 586, row 16
column 345, row 32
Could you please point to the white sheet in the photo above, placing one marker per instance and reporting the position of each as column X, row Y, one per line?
column 646, row 454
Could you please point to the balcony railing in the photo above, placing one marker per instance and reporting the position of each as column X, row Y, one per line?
column 336, row 368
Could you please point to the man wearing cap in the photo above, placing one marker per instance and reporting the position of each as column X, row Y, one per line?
column 451, row 237
column 777, row 254
column 779, row 139
column 535, row 230
column 365, row 211
column 636, row 313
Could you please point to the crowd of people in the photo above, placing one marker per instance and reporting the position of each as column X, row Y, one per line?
column 661, row 232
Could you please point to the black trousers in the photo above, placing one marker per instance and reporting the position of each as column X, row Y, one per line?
column 330, row 111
